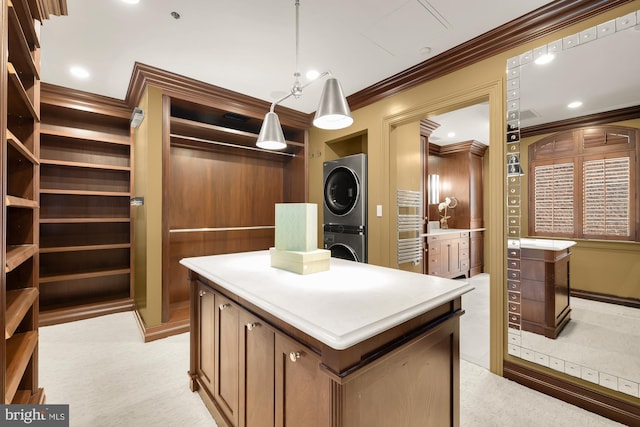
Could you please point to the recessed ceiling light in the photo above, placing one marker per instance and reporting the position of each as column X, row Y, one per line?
column 131, row 1
column 575, row 104
column 544, row 59
column 425, row 50
column 451, row 134
column 79, row 72
column 312, row 74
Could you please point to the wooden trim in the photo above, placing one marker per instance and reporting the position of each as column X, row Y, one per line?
column 165, row 314
column 532, row 26
column 473, row 147
column 585, row 397
column 199, row 92
column 87, row 311
column 597, row 119
column 77, row 99
column 611, row 299
column 163, row 330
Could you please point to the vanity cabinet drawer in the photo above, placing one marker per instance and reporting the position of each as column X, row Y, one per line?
column 513, row 253
column 513, row 274
column 464, row 254
column 512, row 285
column 513, row 263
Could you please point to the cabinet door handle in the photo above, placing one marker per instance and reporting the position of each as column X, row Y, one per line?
column 252, row 325
column 225, row 305
column 294, row 356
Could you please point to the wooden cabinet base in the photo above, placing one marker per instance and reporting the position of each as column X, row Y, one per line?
column 407, row 375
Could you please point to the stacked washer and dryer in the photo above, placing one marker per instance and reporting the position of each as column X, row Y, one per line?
column 345, row 207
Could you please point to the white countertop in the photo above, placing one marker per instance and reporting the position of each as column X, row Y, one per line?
column 441, row 231
column 546, row 244
column 340, row 307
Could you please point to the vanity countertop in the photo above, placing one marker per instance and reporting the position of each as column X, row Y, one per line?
column 340, row 307
column 546, row 244
column 442, row 231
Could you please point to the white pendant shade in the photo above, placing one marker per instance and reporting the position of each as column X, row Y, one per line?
column 271, row 136
column 333, row 111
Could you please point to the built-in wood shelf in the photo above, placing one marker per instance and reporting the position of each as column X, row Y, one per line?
column 83, row 165
column 19, row 301
column 85, row 193
column 19, row 351
column 20, row 147
column 85, row 134
column 19, row 50
column 18, row 99
column 79, row 248
column 86, row 275
column 19, row 202
column 81, row 220
column 17, row 254
column 23, row 15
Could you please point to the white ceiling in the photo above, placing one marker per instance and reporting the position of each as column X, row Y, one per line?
column 248, row 46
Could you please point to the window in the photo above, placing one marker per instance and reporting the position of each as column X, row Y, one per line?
column 583, row 184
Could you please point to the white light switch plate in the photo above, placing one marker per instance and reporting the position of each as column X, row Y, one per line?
column 379, row 210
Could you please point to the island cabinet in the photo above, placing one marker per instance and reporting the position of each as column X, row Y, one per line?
column 544, row 286
column 448, row 255
column 255, row 363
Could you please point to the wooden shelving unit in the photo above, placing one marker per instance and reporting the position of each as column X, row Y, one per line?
column 85, row 215
column 19, row 128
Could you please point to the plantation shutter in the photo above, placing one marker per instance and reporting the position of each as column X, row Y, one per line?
column 606, row 196
column 554, row 198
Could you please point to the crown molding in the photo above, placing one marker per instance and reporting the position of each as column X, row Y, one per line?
column 79, row 100
column 196, row 91
column 532, row 26
column 607, row 117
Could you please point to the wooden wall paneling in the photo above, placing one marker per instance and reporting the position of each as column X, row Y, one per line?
column 215, row 178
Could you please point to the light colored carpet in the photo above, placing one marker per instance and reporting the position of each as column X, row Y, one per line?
column 109, row 377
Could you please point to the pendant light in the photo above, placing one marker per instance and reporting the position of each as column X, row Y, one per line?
column 332, row 113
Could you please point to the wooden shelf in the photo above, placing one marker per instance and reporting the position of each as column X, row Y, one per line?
column 23, row 105
column 85, row 193
column 85, row 275
column 87, row 310
column 84, row 134
column 84, row 248
column 19, row 302
column 17, row 254
column 20, row 348
column 21, row 148
column 23, row 14
column 18, row 202
column 205, row 131
column 83, row 165
column 22, row 58
column 81, row 220
column 25, row 397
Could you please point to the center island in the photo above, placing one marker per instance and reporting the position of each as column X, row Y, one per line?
column 357, row 345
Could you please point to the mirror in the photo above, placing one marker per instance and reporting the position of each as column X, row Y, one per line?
column 599, row 67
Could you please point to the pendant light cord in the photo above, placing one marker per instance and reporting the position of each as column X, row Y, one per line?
column 296, row 89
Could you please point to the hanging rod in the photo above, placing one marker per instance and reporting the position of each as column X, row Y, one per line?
column 198, row 230
column 227, row 144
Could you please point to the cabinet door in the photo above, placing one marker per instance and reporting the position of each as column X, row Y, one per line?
column 453, row 257
column 257, row 346
column 206, row 331
column 302, row 390
column 226, row 358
